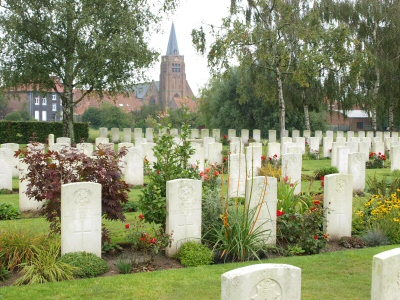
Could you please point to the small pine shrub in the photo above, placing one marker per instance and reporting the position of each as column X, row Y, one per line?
column 89, row 264
column 318, row 173
column 375, row 237
column 193, row 254
column 9, row 212
column 45, row 267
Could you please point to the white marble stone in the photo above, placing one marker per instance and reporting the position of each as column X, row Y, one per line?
column 295, row 133
column 349, row 134
column 50, row 139
column 339, row 134
column 237, row 175
column 378, row 147
column 236, row 147
column 26, row 203
column 205, row 132
column 301, row 142
column 353, row 146
column 13, row 160
column 85, row 148
column 370, row 134
column 231, row 133
column 137, row 133
column 363, row 148
column 340, row 140
column 59, row 146
column 198, row 158
column 343, row 159
column 329, row 134
column 361, row 134
column 253, row 160
column 334, row 155
column 150, row 135
column 262, row 281
column 357, row 169
column 314, row 144
column 194, row 133
column 395, row 158
column 63, row 140
column 103, row 132
column 386, row 275
column 338, row 201
column 115, row 135
column 327, row 145
column 5, row 169
column 216, row 134
column 206, row 142
column 215, row 153
column 101, row 140
column 272, row 136
column 286, row 146
column 106, row 146
column 291, row 167
column 148, row 153
column 262, row 196
column 127, row 135
column 81, row 217
column 257, row 135
column 183, row 198
column 318, row 134
column 274, row 148
column 134, row 172
column 245, row 135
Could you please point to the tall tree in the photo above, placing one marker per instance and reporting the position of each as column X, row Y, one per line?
column 93, row 45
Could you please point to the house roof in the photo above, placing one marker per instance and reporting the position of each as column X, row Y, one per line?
column 190, row 103
column 354, row 113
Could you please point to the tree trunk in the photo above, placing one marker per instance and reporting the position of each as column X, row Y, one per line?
column 377, row 81
column 306, row 112
column 391, row 116
column 281, row 101
column 373, row 117
column 68, row 114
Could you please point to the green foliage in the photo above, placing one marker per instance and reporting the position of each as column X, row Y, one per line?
column 86, row 264
column 17, row 246
column 9, row 212
column 318, row 173
column 375, row 237
column 130, row 206
column 288, row 202
column 93, row 116
column 109, row 116
column 384, row 186
column 305, row 230
column 124, row 265
column 22, row 132
column 310, row 153
column 376, row 161
column 352, row 242
column 4, row 272
column 172, row 163
column 194, row 254
column 13, row 116
column 212, row 209
column 45, row 266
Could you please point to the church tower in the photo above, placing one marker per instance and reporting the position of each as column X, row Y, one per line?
column 173, row 82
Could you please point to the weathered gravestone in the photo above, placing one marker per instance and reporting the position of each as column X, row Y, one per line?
column 81, row 217
column 127, row 135
column 215, row 153
column 236, row 146
column 134, row 172
column 253, row 160
column 262, row 196
column 205, row 132
column 301, row 142
column 386, row 275
column 148, row 153
column 295, row 133
column 206, row 142
column 245, row 134
column 231, row 133
column 274, row 149
column 137, row 133
column 25, row 203
column 63, row 140
column 262, row 281
column 327, row 145
column 101, row 140
column 272, row 136
column 5, row 169
column 361, row 134
column 257, row 135
column 216, row 134
column 123, row 160
column 13, row 160
column 318, row 134
column 343, row 159
column 291, row 168
column 197, row 158
column 150, row 135
column 338, row 202
column 349, row 134
column 363, row 147
column 357, row 169
column 103, row 132
column 194, row 133
column 237, row 175
column 115, row 135
column 50, row 139
column 395, row 158
column 378, row 147
column 183, row 212
column 85, row 148
column 106, row 146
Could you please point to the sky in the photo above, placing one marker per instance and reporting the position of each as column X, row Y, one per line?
column 189, row 15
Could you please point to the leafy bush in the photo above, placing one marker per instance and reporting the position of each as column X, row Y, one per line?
column 288, row 202
column 305, row 229
column 13, row 116
column 318, row 173
column 375, row 237
column 172, row 163
column 45, row 267
column 87, row 264
column 48, row 171
column 17, row 246
column 4, row 272
column 193, row 254
column 9, row 212
column 310, row 154
column 376, row 161
column 130, row 206
column 212, row 209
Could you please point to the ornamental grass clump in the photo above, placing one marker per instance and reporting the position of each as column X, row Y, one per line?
column 86, row 265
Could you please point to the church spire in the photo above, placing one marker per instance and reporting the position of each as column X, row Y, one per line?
column 172, row 42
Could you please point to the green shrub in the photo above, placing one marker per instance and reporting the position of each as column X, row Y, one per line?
column 17, row 244
column 13, row 116
column 318, row 173
column 89, row 264
column 4, row 272
column 9, row 212
column 45, row 267
column 130, row 206
column 124, row 265
column 375, row 237
column 193, row 254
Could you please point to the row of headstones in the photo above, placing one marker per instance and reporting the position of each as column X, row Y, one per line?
column 281, row 281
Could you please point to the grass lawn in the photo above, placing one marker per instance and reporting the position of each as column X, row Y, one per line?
column 334, row 275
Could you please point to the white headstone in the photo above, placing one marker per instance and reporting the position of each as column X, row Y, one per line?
column 236, row 147
column 215, row 153
column 395, row 136
column 25, row 203
column 379, row 135
column 81, row 217
column 329, row 133
column 59, row 146
column 231, row 133
column 388, row 140
column 353, row 146
column 106, row 146
column 350, row 134
column 245, row 134
column 103, row 132
column 291, row 167
column 63, row 140
column 85, row 148
column 150, row 135
column 363, row 148
column 314, row 144
column 197, row 158
column 272, row 136
column 123, row 160
column 127, row 135
column 295, row 149
column 194, row 133
column 368, row 140
column 274, row 148
column 306, row 133
column 51, row 139
column 286, row 146
column 216, row 134
column 262, row 281
column 183, row 212
column 361, row 134
column 134, row 173
column 339, row 134
column 262, row 196
column 5, row 169
column 206, row 142
column 370, row 134
column 205, row 132
column 13, row 160
column 140, row 141
column 101, row 140
column 343, row 159
column 386, row 275
column 378, row 147
column 148, row 153
column 301, row 142
column 253, row 160
column 115, row 135
column 295, row 133
column 137, row 133
column 395, row 158
column 257, row 135
column 327, row 145
column 340, row 140
column 338, row 199
column 386, row 134
column 237, row 175
column 357, row 169
column 334, row 155
column 318, row 134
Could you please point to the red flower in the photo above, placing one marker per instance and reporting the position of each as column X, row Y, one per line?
column 275, row 155
column 322, row 178
column 315, row 237
column 208, row 170
column 326, row 236
column 270, row 158
column 317, row 202
column 127, row 226
column 263, row 158
column 153, row 241
column 225, row 159
column 158, row 172
column 323, row 183
column 216, row 173
column 141, row 216
column 292, row 185
column 280, row 213
column 146, row 159
column 201, row 174
column 312, row 208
